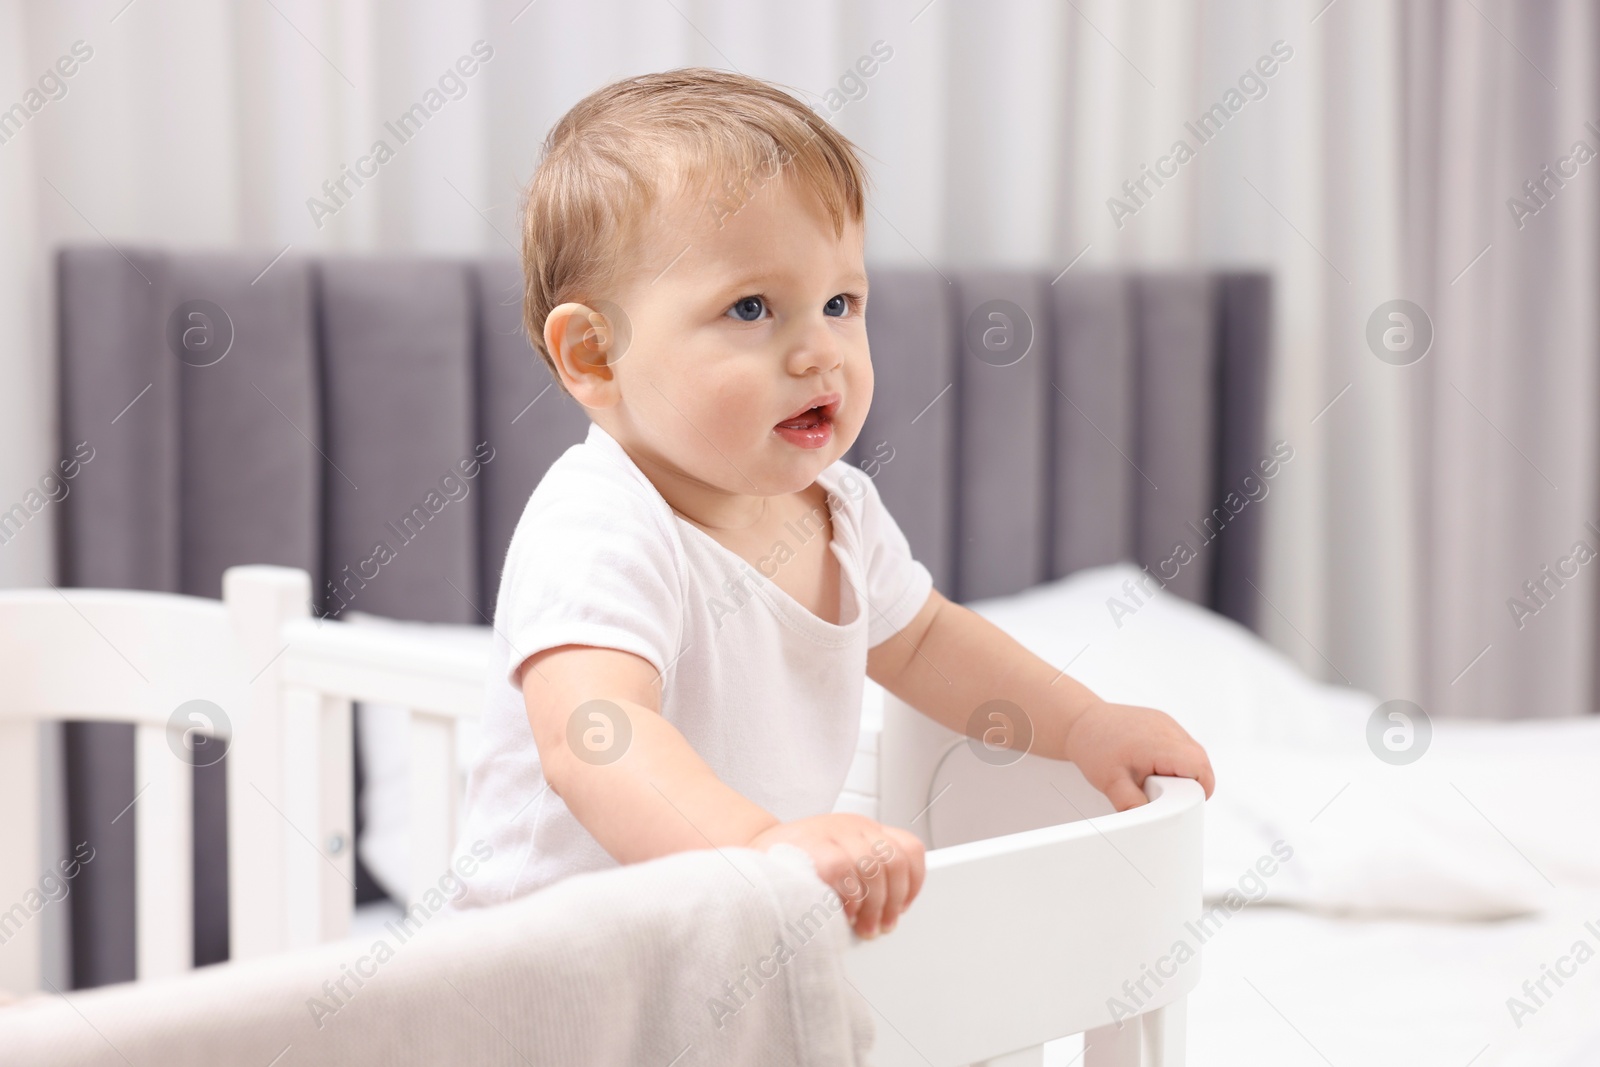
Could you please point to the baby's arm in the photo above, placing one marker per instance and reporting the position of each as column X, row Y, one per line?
column 949, row 660
column 657, row 796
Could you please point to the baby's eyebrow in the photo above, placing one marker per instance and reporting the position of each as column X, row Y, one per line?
column 761, row 279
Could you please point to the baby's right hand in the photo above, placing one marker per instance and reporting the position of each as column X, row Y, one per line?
column 877, row 870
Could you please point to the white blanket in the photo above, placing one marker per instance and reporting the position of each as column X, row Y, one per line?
column 700, row 958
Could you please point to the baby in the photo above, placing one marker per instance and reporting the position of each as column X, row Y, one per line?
column 694, row 594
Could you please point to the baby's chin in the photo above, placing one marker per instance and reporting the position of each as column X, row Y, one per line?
column 792, row 468
column 777, row 469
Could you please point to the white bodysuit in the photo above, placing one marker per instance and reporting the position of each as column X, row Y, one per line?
column 766, row 692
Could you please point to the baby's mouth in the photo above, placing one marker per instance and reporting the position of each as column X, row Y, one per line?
column 809, row 419
column 811, row 427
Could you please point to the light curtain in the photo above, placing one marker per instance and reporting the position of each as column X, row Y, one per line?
column 1374, row 163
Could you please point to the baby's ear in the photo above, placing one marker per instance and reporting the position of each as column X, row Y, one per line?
column 585, row 343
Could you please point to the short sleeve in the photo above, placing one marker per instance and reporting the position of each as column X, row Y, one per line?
column 897, row 583
column 591, row 563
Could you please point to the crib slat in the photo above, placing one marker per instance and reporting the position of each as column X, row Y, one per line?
column 319, row 864
column 1113, row 1046
column 337, row 817
column 1155, row 1039
column 164, row 867
column 433, row 801
column 297, row 803
column 21, row 866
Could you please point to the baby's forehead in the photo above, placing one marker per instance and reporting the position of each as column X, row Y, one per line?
column 690, row 217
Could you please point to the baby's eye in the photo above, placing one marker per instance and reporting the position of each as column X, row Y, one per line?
column 748, row 308
column 843, row 303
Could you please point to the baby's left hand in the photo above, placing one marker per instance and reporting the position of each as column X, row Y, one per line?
column 1117, row 746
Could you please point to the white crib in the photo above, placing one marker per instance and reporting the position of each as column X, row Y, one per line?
column 1044, row 913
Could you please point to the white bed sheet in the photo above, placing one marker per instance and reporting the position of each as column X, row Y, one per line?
column 1283, row 987
column 1288, row 986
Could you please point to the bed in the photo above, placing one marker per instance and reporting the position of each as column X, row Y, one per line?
column 1419, row 899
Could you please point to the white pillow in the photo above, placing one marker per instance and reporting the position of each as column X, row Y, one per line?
column 1218, row 679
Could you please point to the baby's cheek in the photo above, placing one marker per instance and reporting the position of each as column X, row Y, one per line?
column 859, row 385
column 739, row 409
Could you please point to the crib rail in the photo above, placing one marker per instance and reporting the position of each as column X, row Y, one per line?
column 110, row 656
column 441, row 679
column 1016, row 940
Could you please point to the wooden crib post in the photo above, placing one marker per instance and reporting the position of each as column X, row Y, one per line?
column 1155, row 1039
column 163, row 816
column 319, row 860
column 433, row 791
column 260, row 600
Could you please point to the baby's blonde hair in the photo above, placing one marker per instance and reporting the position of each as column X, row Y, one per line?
column 606, row 162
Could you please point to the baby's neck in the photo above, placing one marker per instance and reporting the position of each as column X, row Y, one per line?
column 710, row 507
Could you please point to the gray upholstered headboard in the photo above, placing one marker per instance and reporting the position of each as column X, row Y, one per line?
column 1022, row 428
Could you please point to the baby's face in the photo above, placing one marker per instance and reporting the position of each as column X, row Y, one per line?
column 747, row 370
